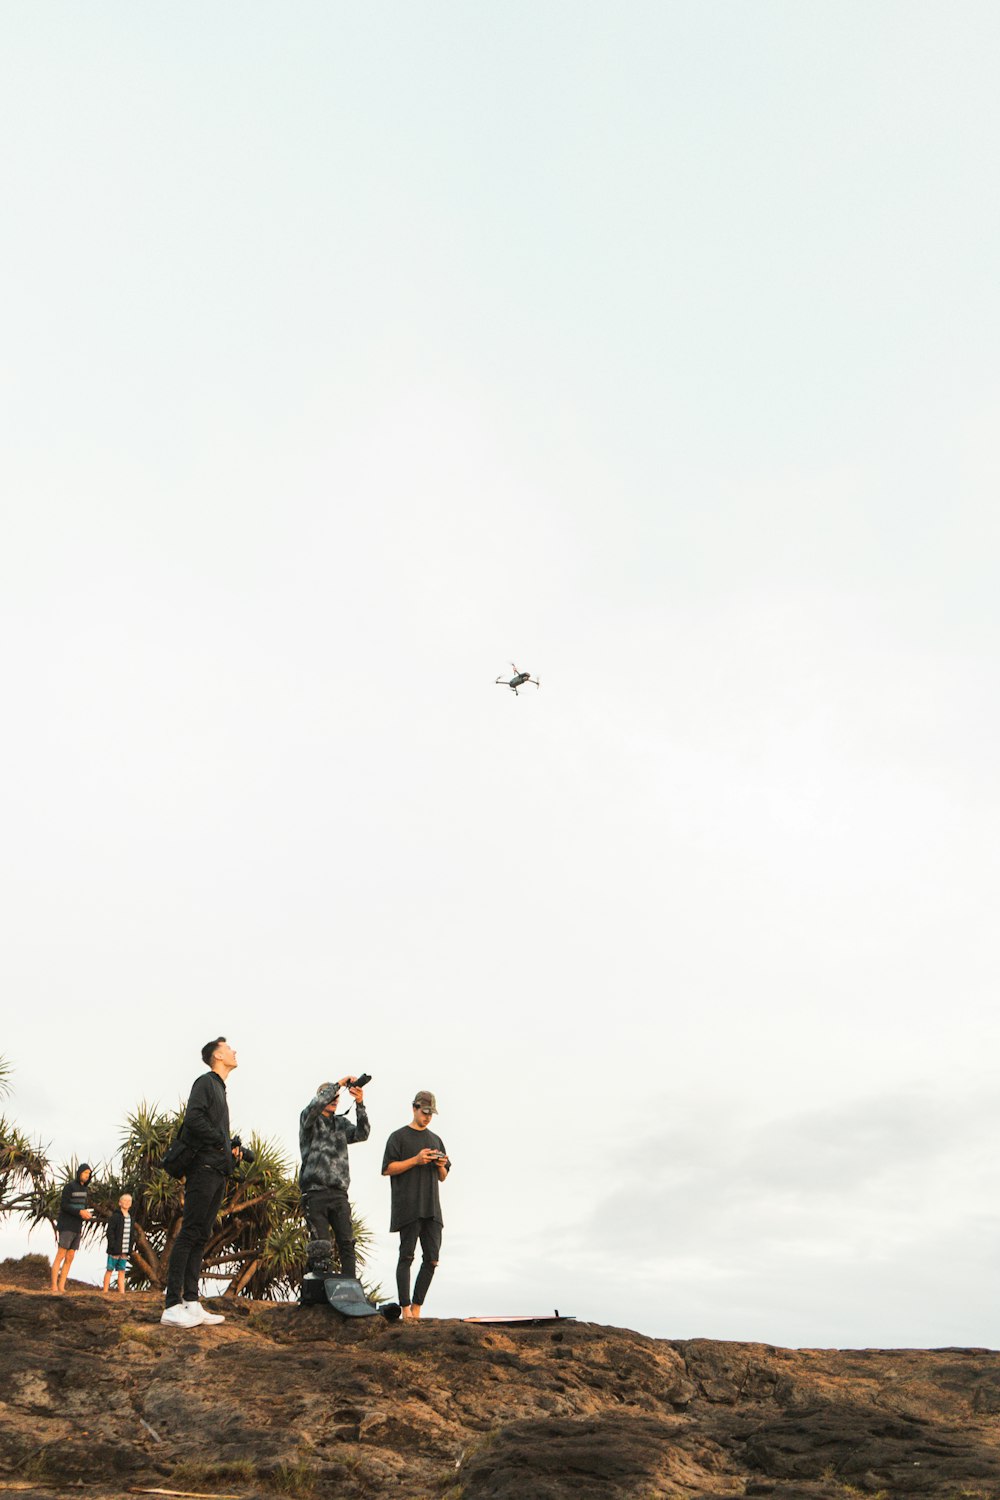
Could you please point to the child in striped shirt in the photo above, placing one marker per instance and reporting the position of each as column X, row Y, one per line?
column 119, row 1242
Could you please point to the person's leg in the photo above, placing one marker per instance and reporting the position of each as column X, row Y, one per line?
column 339, row 1214
column 121, row 1282
column 202, row 1195
column 107, row 1276
column 315, row 1210
column 70, row 1257
column 192, row 1273
column 430, row 1252
column 57, row 1267
column 407, row 1245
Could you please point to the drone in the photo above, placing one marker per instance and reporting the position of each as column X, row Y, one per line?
column 518, row 680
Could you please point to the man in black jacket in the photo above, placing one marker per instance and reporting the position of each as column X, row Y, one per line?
column 73, row 1213
column 206, row 1131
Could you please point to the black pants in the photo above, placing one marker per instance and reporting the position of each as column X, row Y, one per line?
column 328, row 1217
column 203, row 1193
column 428, row 1231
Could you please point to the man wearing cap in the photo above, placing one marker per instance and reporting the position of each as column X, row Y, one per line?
column 325, row 1174
column 415, row 1163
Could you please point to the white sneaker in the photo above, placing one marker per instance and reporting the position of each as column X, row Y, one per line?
column 202, row 1314
column 179, row 1316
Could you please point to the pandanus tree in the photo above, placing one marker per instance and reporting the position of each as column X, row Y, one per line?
column 23, row 1168
column 23, row 1163
column 258, row 1243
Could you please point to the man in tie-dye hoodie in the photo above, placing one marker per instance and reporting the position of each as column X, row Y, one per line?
column 325, row 1174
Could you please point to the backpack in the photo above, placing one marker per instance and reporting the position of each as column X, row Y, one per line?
column 178, row 1159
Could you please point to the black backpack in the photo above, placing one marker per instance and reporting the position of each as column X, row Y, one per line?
column 178, row 1159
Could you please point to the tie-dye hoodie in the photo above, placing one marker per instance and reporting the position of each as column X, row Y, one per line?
column 323, row 1143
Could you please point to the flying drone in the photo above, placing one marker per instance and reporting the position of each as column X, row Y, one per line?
column 518, row 680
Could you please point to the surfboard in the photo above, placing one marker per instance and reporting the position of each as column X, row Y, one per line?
column 529, row 1320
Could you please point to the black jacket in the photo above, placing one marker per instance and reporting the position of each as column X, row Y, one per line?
column 74, row 1198
column 116, row 1232
column 206, row 1124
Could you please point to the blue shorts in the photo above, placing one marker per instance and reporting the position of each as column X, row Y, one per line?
column 117, row 1262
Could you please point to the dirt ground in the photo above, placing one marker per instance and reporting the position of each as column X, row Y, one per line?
column 97, row 1399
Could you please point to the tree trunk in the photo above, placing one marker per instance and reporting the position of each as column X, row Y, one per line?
column 172, row 1233
column 147, row 1260
column 235, row 1287
column 239, row 1208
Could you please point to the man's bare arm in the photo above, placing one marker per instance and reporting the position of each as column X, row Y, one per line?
column 420, row 1160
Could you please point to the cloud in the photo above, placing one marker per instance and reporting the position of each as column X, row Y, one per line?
column 841, row 1223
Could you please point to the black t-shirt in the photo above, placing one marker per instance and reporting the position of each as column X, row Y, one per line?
column 415, row 1193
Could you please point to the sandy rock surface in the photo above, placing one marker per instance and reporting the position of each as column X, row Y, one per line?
column 97, row 1399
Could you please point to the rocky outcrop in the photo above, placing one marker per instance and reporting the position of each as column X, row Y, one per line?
column 97, row 1398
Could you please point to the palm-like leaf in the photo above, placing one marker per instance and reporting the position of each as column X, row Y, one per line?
column 23, row 1167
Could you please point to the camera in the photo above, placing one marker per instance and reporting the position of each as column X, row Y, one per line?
column 359, row 1083
column 249, row 1157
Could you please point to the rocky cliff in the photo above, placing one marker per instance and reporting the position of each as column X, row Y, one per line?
column 97, row 1399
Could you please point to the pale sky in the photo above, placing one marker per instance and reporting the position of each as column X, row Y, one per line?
column 351, row 353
